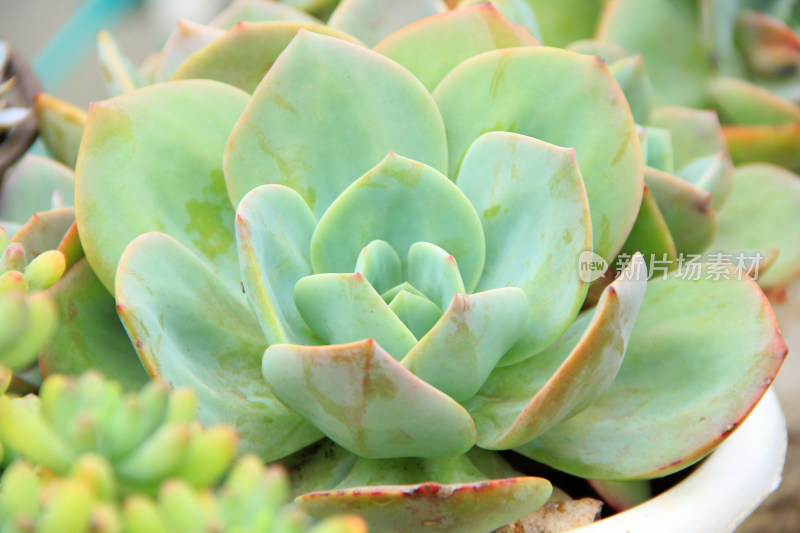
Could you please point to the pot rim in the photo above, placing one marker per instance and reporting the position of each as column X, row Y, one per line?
column 724, row 490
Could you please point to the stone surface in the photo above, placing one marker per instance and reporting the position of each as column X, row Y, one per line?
column 558, row 516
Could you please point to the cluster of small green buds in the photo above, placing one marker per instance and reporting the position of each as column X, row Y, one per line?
column 146, row 437
column 252, row 499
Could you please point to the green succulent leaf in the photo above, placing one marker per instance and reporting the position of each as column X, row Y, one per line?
column 713, row 173
column 475, row 331
column 496, row 91
column 657, row 146
column 30, row 186
column 186, row 39
column 436, row 45
column 694, row 133
column 89, row 334
column 380, row 264
column 650, row 234
column 366, row 402
column 686, row 210
column 455, row 508
column 679, row 70
column 259, row 11
column 159, row 147
column 743, row 102
column 119, row 74
column 60, row 127
column 701, row 354
column 762, row 214
column 342, row 308
column 311, row 108
column 567, row 20
column 418, row 313
column 632, row 77
column 532, row 202
column 435, row 273
column 401, row 202
column 273, row 230
column 521, row 402
column 44, row 231
column 519, row 12
column 372, row 20
column 243, row 55
column 211, row 342
column 608, row 51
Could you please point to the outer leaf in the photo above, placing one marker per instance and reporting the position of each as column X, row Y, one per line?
column 259, row 11
column 566, row 21
column 44, row 231
column 29, row 187
column 186, row 39
column 762, row 214
column 89, row 334
column 521, row 402
column 158, row 147
column 366, row 402
column 701, row 355
column 460, row 351
column 372, row 20
column 686, row 209
column 454, row 508
column 434, row 46
column 742, row 102
column 401, row 202
column 518, row 12
column 531, row 91
column 680, row 69
column 535, row 215
column 273, row 231
column 210, row 341
column 243, row 55
column 342, row 308
column 60, row 127
column 322, row 97
column 777, row 145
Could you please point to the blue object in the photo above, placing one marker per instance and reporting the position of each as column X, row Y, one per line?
column 62, row 55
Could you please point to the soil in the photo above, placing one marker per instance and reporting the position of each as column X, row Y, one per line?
column 780, row 513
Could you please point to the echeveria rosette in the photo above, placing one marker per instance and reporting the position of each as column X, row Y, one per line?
column 340, row 226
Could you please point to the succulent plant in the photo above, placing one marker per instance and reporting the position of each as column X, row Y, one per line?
column 252, row 499
column 146, row 437
column 406, row 228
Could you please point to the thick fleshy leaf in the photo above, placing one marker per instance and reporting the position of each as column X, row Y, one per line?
column 657, row 145
column 632, row 77
column 60, row 127
column 119, row 74
column 273, row 231
column 454, row 508
column 779, row 145
column 372, row 20
column 436, row 45
column 418, row 313
column 342, row 308
column 531, row 91
column 622, row 495
column 475, row 331
column 192, row 328
column 380, row 264
column 535, row 216
column 366, row 402
column 321, row 98
column 259, row 11
column 89, row 334
column 608, row 51
column 650, row 234
column 246, row 52
column 519, row 12
column 701, row 355
column 435, row 273
column 520, row 402
column 566, row 21
column 29, row 187
column 680, row 67
column 762, row 213
column 401, row 202
column 159, row 147
column 686, row 209
column 742, row 102
column 187, row 38
column 700, row 153
column 44, row 231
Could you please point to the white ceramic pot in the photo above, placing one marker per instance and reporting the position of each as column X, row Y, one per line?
column 723, row 490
